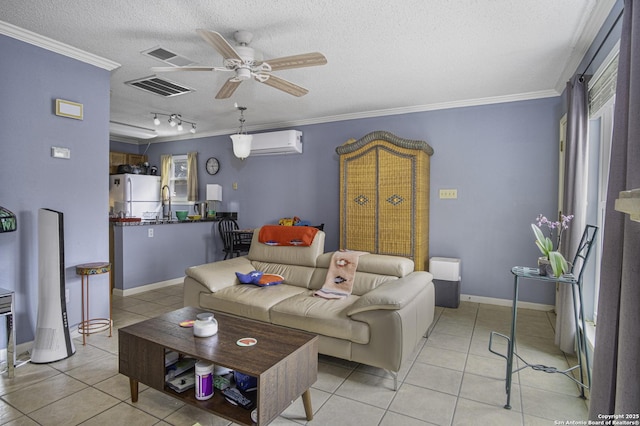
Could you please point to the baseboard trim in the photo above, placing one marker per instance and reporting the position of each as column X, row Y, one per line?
column 505, row 302
column 147, row 287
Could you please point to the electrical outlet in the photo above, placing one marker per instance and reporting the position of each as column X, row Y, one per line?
column 449, row 194
column 150, row 232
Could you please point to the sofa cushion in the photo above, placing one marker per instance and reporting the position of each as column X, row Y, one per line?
column 249, row 301
column 218, row 275
column 291, row 255
column 299, row 276
column 321, row 316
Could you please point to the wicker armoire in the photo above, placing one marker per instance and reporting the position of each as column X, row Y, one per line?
column 384, row 196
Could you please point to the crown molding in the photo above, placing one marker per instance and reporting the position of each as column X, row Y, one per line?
column 370, row 114
column 52, row 45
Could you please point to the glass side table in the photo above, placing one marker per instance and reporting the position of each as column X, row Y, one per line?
column 522, row 272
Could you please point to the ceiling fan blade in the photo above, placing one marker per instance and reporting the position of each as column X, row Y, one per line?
column 297, row 61
column 219, row 43
column 170, row 69
column 228, row 88
column 284, row 85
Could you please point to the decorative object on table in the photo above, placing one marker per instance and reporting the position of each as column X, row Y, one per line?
column 181, row 214
column 342, row 271
column 212, row 166
column 206, row 325
column 552, row 259
column 241, row 140
column 8, row 220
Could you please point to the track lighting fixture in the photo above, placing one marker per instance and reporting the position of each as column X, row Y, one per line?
column 174, row 120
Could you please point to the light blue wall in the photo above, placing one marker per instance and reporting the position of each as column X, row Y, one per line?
column 502, row 159
column 31, row 79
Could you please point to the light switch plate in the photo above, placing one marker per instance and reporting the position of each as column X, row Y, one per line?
column 450, row 194
column 60, row 152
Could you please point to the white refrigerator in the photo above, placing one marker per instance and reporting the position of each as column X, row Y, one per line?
column 135, row 196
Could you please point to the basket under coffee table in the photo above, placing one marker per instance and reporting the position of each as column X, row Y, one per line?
column 285, row 361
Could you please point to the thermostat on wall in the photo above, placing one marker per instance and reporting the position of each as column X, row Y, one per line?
column 59, row 152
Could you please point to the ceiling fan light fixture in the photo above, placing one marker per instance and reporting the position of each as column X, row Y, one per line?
column 156, row 120
column 243, row 74
column 180, row 128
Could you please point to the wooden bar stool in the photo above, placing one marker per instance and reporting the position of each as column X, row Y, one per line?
column 93, row 325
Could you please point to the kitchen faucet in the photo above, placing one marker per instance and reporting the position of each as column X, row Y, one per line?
column 168, row 216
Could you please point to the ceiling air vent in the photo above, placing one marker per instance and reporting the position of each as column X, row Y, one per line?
column 159, row 86
column 168, row 57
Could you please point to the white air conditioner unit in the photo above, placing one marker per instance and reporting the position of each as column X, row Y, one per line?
column 273, row 143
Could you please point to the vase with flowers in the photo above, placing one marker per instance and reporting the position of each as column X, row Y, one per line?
column 552, row 258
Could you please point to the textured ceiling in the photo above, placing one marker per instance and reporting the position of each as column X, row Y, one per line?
column 384, row 57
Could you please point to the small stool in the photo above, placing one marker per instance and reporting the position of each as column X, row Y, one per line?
column 93, row 325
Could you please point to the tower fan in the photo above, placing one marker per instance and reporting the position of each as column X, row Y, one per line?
column 53, row 341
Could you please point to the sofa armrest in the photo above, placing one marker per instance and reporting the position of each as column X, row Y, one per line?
column 392, row 295
column 218, row 275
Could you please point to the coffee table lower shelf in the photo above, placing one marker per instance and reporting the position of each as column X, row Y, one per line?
column 284, row 361
column 218, row 405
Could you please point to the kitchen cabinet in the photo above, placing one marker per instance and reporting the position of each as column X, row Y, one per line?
column 119, row 158
column 384, row 196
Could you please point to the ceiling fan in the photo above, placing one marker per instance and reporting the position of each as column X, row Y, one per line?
column 242, row 61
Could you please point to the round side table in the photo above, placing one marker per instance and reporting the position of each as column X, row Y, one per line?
column 93, row 325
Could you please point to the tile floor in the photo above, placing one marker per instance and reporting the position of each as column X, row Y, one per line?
column 451, row 379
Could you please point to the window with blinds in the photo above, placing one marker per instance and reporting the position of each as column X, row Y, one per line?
column 603, row 87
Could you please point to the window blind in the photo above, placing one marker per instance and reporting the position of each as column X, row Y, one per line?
column 603, row 87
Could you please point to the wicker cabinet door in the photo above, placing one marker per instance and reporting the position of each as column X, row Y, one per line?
column 359, row 203
column 396, row 221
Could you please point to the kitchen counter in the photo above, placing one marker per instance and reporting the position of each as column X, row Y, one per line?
column 134, row 222
column 146, row 255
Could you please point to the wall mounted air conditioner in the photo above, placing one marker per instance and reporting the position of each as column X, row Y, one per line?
column 273, row 143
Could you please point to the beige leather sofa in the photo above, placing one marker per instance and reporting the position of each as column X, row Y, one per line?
column 390, row 309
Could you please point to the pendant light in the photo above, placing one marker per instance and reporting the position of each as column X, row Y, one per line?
column 241, row 140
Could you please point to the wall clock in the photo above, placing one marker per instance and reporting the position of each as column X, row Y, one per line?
column 213, row 166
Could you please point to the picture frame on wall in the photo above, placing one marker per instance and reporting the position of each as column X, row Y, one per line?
column 69, row 109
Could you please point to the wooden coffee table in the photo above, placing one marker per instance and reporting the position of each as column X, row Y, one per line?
column 285, row 361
